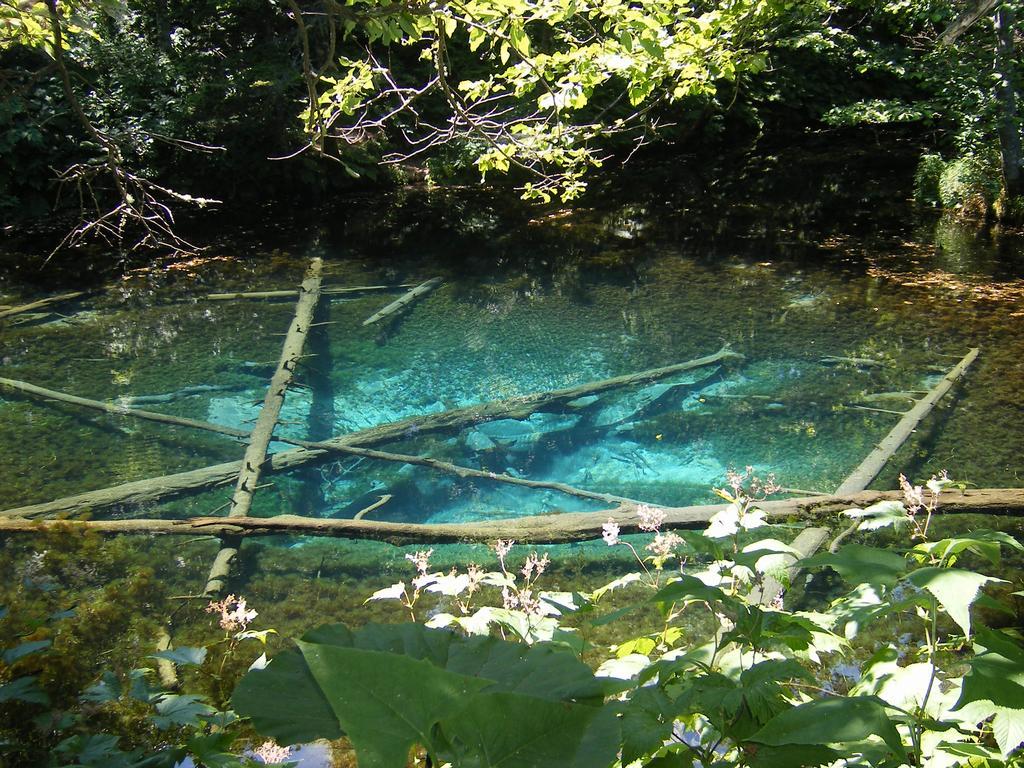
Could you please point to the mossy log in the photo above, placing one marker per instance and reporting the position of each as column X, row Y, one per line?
column 869, row 468
column 263, row 430
column 41, row 303
column 398, row 304
column 291, row 294
column 552, row 528
column 157, row 489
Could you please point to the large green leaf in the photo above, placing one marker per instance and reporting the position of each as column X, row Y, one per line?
column 647, row 720
column 954, row 588
column 761, row 689
column 476, row 701
column 184, row 709
column 831, row 721
column 688, row 589
column 793, row 756
column 997, row 672
column 984, row 543
column 387, row 702
column 862, row 565
column 284, row 701
column 505, row 730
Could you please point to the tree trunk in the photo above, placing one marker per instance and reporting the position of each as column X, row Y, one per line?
column 536, row 529
column 266, row 422
column 1006, row 95
column 869, row 468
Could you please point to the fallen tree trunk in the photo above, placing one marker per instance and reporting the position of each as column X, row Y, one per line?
column 266, row 422
column 869, row 468
column 169, row 397
column 540, row 529
column 291, row 294
column 166, row 487
column 117, row 409
column 409, row 298
column 41, row 303
column 332, row 447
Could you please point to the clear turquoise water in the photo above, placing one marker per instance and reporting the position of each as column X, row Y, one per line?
column 786, row 273
column 516, row 324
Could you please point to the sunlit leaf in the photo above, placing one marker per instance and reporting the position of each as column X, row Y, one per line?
column 954, row 588
column 859, row 564
column 831, row 721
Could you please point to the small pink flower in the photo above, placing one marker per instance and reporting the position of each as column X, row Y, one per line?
column 651, row 518
column 663, row 544
column 610, row 532
column 502, row 547
column 534, row 566
column 913, row 495
column 271, row 753
column 421, row 560
column 476, row 575
column 234, row 615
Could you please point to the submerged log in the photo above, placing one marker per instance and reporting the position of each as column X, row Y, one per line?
column 332, row 447
column 42, row 303
column 169, row 397
column 539, row 529
column 291, row 294
column 375, row 506
column 117, row 409
column 868, row 470
column 266, row 422
column 409, row 298
column 194, row 481
column 859, row 362
column 807, row 542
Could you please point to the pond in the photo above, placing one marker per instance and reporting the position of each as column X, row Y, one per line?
column 834, row 292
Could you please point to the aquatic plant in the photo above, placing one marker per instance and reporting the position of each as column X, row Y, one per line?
column 949, row 692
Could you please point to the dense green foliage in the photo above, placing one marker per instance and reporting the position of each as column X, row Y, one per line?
column 196, row 97
column 757, row 693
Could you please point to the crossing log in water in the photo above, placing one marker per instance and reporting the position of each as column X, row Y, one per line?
column 41, row 303
column 266, row 422
column 400, row 303
column 167, row 487
column 291, row 294
column 551, row 528
column 332, row 447
column 868, row 470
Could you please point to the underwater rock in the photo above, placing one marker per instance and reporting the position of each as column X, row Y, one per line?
column 618, row 463
column 583, row 402
column 241, row 411
column 633, row 406
column 478, row 441
column 515, row 435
